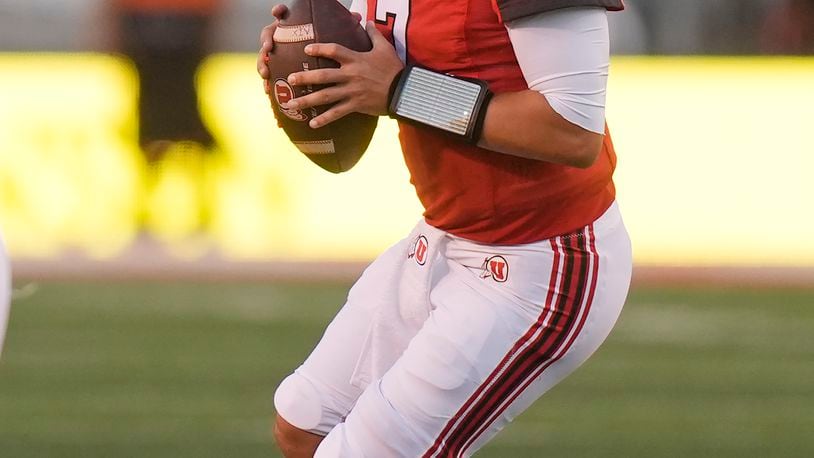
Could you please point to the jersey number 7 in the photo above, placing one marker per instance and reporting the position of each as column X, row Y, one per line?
column 395, row 16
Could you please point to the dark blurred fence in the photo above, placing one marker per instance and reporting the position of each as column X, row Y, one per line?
column 648, row 27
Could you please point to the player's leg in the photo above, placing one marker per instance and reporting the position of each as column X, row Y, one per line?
column 5, row 292
column 490, row 348
column 592, row 323
column 319, row 394
column 294, row 442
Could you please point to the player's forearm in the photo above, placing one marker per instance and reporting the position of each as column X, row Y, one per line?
column 562, row 117
column 524, row 124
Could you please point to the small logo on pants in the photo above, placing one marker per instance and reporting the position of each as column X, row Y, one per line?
column 497, row 268
column 419, row 250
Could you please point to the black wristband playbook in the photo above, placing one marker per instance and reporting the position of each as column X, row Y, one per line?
column 449, row 103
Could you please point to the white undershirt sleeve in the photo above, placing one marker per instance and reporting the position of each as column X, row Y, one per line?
column 565, row 55
column 357, row 6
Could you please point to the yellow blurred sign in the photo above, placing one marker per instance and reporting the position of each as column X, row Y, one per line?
column 715, row 158
column 306, row 212
column 69, row 166
column 713, row 165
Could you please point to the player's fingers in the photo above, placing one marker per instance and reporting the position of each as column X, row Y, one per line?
column 263, row 64
column 358, row 17
column 266, row 45
column 376, row 37
column 331, row 115
column 333, row 51
column 279, row 11
column 321, row 76
column 322, row 97
column 267, row 35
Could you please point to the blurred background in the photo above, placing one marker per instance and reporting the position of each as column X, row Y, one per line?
column 175, row 257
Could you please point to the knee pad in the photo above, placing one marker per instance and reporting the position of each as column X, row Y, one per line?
column 300, row 403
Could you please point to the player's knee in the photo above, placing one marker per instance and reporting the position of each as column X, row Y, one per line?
column 299, row 402
column 379, row 428
column 299, row 421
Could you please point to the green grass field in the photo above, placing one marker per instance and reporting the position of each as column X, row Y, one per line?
column 188, row 370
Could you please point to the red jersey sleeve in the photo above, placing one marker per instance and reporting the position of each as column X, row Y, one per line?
column 510, row 10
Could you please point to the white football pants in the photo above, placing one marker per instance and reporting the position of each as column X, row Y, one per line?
column 443, row 341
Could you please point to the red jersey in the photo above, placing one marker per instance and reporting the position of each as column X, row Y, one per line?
column 470, row 192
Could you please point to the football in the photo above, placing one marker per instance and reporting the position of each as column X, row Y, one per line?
column 338, row 146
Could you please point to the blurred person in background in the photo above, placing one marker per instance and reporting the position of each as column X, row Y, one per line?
column 167, row 40
column 789, row 28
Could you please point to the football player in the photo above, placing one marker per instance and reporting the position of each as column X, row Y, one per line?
column 521, row 264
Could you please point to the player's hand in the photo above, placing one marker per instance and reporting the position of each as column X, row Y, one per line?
column 361, row 84
column 267, row 44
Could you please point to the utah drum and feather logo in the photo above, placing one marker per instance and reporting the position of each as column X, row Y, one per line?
column 495, row 267
column 284, row 93
column 418, row 250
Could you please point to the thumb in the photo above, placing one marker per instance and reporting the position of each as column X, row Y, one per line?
column 376, row 37
column 279, row 11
